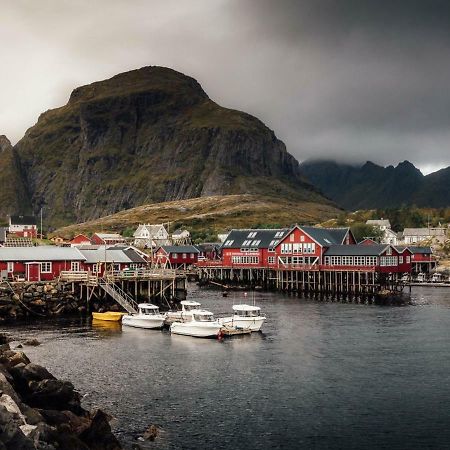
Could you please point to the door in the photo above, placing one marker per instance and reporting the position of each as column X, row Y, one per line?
column 33, row 272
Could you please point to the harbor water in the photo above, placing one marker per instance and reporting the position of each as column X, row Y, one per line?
column 321, row 375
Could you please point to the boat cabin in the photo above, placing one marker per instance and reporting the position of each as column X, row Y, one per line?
column 189, row 305
column 246, row 311
column 203, row 316
column 148, row 309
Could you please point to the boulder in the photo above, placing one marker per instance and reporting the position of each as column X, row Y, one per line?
column 54, row 394
column 151, row 433
column 33, row 342
column 98, row 435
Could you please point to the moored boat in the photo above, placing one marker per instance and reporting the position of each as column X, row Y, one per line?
column 185, row 315
column 148, row 316
column 246, row 317
column 110, row 316
column 202, row 324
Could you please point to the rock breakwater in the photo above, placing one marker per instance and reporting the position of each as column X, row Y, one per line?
column 38, row 411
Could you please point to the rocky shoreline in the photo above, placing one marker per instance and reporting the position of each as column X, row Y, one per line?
column 38, row 411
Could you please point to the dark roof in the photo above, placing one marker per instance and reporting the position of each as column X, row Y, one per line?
column 356, row 250
column 415, row 249
column 326, row 236
column 208, row 246
column 134, row 256
column 23, row 220
column 180, row 248
column 254, row 238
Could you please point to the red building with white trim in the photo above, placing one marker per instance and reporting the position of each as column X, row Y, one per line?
column 23, row 226
column 177, row 255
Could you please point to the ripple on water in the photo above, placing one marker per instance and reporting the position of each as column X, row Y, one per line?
column 322, row 375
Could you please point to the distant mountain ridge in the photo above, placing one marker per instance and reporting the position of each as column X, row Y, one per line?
column 373, row 186
column 144, row 136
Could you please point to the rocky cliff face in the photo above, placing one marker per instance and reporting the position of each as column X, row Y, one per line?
column 373, row 186
column 13, row 194
column 150, row 135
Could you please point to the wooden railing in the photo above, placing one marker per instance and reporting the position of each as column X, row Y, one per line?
column 81, row 275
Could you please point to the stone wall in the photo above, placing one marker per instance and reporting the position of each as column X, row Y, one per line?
column 46, row 299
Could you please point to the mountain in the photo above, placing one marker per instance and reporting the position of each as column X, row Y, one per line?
column 210, row 215
column 13, row 194
column 373, row 186
column 150, row 135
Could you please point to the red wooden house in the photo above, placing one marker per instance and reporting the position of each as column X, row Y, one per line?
column 384, row 258
column 79, row 239
column 23, row 226
column 43, row 263
column 177, row 255
column 422, row 258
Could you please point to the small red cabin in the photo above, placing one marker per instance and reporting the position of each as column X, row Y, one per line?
column 79, row 239
column 177, row 255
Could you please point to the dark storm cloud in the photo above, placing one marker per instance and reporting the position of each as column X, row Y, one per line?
column 353, row 80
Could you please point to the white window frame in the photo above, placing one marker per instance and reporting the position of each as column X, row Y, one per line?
column 46, row 267
column 10, row 267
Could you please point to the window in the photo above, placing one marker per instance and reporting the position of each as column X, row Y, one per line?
column 75, row 266
column 46, row 267
column 245, row 259
column 191, row 255
column 271, row 259
column 174, row 255
column 292, row 237
column 10, row 267
column 297, row 248
column 309, row 247
column 134, row 266
column 400, row 259
column 252, row 234
column 229, row 243
column 279, row 234
column 95, row 268
column 408, row 259
column 302, row 238
column 184, row 255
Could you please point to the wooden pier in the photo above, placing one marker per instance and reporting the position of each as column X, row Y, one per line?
column 128, row 287
column 361, row 282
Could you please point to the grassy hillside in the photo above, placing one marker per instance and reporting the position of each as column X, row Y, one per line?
column 207, row 216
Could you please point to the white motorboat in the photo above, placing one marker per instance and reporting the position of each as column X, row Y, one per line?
column 202, row 324
column 185, row 315
column 148, row 316
column 245, row 317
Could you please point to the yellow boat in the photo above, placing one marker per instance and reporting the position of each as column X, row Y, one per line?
column 110, row 316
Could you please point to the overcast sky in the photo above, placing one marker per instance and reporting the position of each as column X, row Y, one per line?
column 355, row 80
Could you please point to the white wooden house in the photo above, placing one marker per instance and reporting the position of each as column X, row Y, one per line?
column 150, row 236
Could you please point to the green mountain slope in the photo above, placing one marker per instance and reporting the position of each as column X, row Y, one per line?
column 372, row 186
column 150, row 135
column 13, row 194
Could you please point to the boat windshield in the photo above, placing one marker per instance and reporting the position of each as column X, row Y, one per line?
column 149, row 311
column 204, row 318
column 247, row 313
column 190, row 307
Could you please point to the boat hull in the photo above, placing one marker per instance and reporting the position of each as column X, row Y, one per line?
column 245, row 323
column 196, row 330
column 110, row 316
column 143, row 322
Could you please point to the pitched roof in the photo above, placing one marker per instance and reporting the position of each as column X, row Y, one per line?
column 40, row 253
column 416, row 249
column 109, row 235
column 254, row 238
column 110, row 253
column 326, row 236
column 356, row 250
column 23, row 220
column 179, row 248
column 424, row 232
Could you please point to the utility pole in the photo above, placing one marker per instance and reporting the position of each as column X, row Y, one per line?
column 42, row 235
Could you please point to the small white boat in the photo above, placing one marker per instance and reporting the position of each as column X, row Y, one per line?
column 147, row 317
column 185, row 315
column 202, row 324
column 245, row 317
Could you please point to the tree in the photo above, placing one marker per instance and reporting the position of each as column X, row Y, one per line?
column 361, row 231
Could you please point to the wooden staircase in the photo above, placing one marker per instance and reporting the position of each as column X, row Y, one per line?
column 120, row 296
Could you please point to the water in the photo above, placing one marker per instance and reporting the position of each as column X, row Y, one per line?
column 321, row 376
